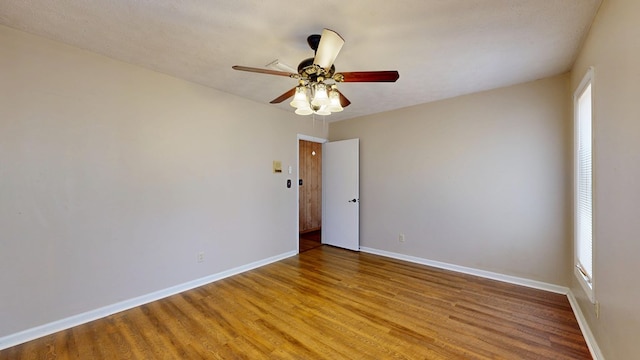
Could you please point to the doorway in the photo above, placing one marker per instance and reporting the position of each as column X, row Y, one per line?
column 309, row 194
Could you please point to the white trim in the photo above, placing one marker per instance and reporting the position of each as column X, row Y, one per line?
column 594, row 349
column 79, row 319
column 471, row 271
column 298, row 138
column 586, row 80
column 312, row 138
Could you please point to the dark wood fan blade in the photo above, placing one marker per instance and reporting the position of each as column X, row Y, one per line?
column 344, row 102
column 284, row 96
column 368, row 76
column 263, row 71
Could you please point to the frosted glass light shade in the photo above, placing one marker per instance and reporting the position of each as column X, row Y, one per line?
column 304, row 109
column 334, row 101
column 320, row 98
column 323, row 111
column 300, row 98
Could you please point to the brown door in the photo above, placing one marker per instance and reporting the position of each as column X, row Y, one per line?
column 310, row 213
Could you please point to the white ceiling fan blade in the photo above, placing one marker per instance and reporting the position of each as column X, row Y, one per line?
column 328, row 48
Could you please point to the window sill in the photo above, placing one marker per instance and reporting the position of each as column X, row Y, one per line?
column 586, row 285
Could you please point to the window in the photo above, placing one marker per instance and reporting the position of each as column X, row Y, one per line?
column 583, row 211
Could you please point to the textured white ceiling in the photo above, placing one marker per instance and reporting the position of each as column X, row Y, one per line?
column 442, row 48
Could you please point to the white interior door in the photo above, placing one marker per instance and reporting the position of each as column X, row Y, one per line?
column 340, row 194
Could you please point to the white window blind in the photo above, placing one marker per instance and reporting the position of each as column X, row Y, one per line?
column 584, row 184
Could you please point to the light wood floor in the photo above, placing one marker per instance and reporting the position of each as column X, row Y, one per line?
column 329, row 303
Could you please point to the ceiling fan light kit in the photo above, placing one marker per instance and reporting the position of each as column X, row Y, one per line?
column 323, row 102
column 317, row 91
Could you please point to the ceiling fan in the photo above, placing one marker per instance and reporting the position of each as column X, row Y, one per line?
column 317, row 91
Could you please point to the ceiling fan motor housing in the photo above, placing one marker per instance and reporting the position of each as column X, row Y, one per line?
column 313, row 41
column 309, row 71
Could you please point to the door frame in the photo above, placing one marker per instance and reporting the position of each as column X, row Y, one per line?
column 298, row 138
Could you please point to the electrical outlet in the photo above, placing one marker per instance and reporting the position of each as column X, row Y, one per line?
column 597, row 308
column 401, row 237
column 201, row 256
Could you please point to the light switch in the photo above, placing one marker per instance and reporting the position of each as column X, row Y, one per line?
column 277, row 166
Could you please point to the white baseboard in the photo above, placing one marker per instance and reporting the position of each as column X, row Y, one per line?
column 582, row 322
column 471, row 271
column 584, row 327
column 75, row 320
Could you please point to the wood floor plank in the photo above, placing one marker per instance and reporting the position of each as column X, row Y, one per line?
column 329, row 303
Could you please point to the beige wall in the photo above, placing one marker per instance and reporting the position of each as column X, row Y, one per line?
column 113, row 178
column 613, row 48
column 479, row 181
